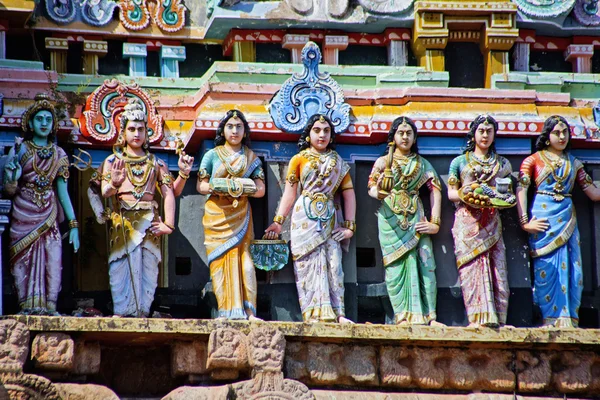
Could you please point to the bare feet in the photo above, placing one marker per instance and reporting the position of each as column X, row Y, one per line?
column 252, row 318
column 403, row 323
column 344, row 320
column 220, row 319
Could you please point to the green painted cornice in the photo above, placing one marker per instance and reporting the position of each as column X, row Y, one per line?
column 579, row 86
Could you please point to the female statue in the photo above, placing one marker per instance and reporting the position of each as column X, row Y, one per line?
column 36, row 175
column 403, row 230
column 130, row 176
column 229, row 174
column 554, row 238
column 478, row 244
column 317, row 224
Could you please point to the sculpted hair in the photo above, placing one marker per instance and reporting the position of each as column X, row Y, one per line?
column 549, row 124
column 220, row 137
column 42, row 103
column 395, row 124
column 473, row 128
column 133, row 111
column 303, row 144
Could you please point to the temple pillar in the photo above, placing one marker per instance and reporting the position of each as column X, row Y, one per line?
column 580, row 56
column 331, row 48
column 244, row 51
column 3, row 29
column 396, row 41
column 137, row 53
column 521, row 57
column 294, row 43
column 92, row 51
column 500, row 36
column 429, row 39
column 169, row 60
column 58, row 53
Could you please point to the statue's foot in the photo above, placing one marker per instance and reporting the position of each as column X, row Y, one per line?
column 474, row 325
column 403, row 323
column 506, row 326
column 344, row 320
column 435, row 323
column 220, row 319
column 253, row 318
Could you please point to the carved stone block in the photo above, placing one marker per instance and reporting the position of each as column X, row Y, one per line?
column 573, row 371
column 331, row 364
column 86, row 358
column 395, row 366
column 534, row 373
column 227, row 353
column 267, row 349
column 324, row 361
column 361, row 365
column 73, row 391
column 188, row 358
column 481, row 370
column 14, row 345
column 19, row 386
column 53, row 351
column 430, row 368
column 296, row 358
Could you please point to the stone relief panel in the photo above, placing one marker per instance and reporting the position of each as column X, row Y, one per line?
column 227, row 353
column 53, row 351
column 14, row 343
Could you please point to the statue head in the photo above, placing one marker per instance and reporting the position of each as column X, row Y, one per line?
column 553, row 127
column 233, row 119
column 321, row 121
column 134, row 111
column 400, row 125
column 482, row 125
column 40, row 119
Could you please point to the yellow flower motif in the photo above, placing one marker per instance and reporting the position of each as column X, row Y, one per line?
column 563, row 289
column 543, row 274
column 564, row 266
column 547, row 298
column 544, row 206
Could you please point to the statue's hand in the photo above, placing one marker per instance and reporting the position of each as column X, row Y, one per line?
column 159, row 228
column 74, row 238
column 117, row 172
column 341, row 233
column 185, row 163
column 13, row 170
column 536, row 225
column 273, row 231
column 427, row 228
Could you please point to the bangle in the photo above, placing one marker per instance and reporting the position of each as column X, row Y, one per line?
column 436, row 220
column 523, row 219
column 184, row 176
column 349, row 225
column 73, row 224
column 110, row 184
column 280, row 219
column 169, row 226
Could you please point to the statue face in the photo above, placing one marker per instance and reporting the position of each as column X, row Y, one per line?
column 559, row 137
column 320, row 136
column 234, row 131
column 404, row 138
column 135, row 134
column 484, row 136
column 42, row 123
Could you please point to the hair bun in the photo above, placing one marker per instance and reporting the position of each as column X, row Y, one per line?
column 134, row 104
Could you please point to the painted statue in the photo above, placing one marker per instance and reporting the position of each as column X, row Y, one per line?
column 36, row 175
column 229, row 174
column 553, row 235
column 477, row 231
column 317, row 226
column 129, row 177
column 403, row 229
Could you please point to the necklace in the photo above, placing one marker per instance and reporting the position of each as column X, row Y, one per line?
column 138, row 171
column 316, row 159
column 226, row 158
column 555, row 165
column 42, row 179
column 483, row 167
column 402, row 165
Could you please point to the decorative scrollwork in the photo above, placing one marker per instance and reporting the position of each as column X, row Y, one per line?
column 545, row 8
column 134, row 14
column 100, row 120
column 308, row 93
column 97, row 12
column 170, row 15
column 386, row 6
column 61, row 11
column 587, row 12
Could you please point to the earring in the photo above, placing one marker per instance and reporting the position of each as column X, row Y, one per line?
column 307, row 139
column 145, row 146
column 330, row 140
column 547, row 143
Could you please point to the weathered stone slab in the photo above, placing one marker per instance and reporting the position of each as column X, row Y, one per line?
column 14, row 346
column 86, row 358
column 188, row 358
column 73, row 391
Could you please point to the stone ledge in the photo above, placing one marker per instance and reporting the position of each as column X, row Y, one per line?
column 143, row 331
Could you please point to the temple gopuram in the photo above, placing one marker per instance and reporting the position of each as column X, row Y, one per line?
column 189, row 73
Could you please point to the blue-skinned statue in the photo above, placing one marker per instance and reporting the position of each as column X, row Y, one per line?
column 36, row 177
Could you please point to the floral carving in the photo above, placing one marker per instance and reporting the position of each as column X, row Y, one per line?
column 28, row 387
column 92, row 12
column 545, row 8
column 587, row 12
column 100, row 120
column 169, row 15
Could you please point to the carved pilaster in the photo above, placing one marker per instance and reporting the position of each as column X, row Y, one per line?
column 294, row 43
column 331, row 48
column 521, row 57
column 244, row 51
column 92, row 51
column 3, row 29
column 580, row 56
column 170, row 56
column 430, row 37
column 137, row 53
column 58, row 53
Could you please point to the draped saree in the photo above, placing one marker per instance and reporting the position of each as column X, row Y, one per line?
column 556, row 252
column 228, row 230
column 407, row 255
